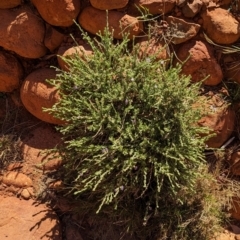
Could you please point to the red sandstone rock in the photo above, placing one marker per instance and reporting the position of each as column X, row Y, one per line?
column 25, row 194
column 37, row 94
column 219, row 118
column 16, row 179
column 22, row 31
column 58, row 12
column 201, row 63
column 192, row 8
column 94, row 21
column 153, row 6
column 83, row 50
column 53, row 38
column 108, row 5
column 27, row 220
column 14, row 166
column 9, row 3
column 217, row 3
column 154, row 47
column 56, row 185
column 221, row 26
column 181, row 31
column 52, row 164
column 10, row 72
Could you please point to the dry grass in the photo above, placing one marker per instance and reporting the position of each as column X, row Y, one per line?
column 14, row 123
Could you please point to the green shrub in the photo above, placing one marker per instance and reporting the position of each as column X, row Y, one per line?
column 132, row 145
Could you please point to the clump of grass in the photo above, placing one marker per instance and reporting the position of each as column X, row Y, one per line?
column 233, row 90
column 234, row 6
column 10, row 146
column 9, row 149
column 133, row 152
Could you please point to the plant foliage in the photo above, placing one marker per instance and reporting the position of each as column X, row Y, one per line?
column 130, row 134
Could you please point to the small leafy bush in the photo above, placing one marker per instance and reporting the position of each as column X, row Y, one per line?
column 132, row 144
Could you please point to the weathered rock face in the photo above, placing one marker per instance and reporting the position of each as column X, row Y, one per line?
column 201, row 63
column 108, row 5
column 22, row 31
column 94, row 21
column 58, row 12
column 37, row 94
column 153, row 6
column 10, row 72
column 221, row 26
column 9, row 3
column 22, row 219
column 83, row 50
column 220, row 119
column 181, row 31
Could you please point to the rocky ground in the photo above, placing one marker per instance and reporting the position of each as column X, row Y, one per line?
column 33, row 34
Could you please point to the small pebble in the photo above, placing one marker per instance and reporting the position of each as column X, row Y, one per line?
column 25, row 194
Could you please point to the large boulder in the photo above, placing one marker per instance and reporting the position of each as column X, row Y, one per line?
column 9, row 3
column 58, row 12
column 22, row 32
column 94, row 21
column 37, row 94
column 108, row 5
column 22, row 219
column 199, row 62
column 221, row 26
column 10, row 72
